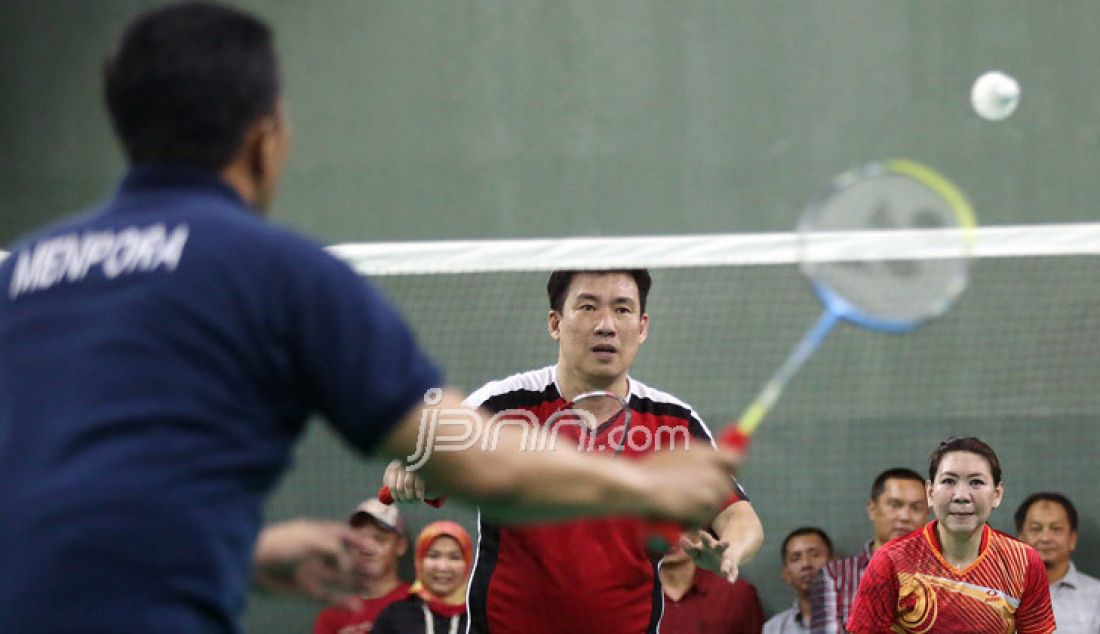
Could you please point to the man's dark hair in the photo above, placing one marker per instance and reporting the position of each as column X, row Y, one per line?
column 1045, row 496
column 187, row 81
column 969, row 444
column 799, row 532
column 897, row 473
column 558, row 285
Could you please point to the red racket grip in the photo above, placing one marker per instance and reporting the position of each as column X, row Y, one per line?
column 733, row 438
column 385, row 497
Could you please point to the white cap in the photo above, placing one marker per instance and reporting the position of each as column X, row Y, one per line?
column 385, row 515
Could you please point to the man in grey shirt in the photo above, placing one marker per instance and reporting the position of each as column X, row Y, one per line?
column 804, row 551
column 1048, row 522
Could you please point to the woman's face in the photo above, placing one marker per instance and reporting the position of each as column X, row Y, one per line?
column 443, row 568
column 963, row 493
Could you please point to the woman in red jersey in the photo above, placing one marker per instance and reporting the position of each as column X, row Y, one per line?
column 956, row 574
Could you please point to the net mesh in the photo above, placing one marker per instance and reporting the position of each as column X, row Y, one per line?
column 1014, row 362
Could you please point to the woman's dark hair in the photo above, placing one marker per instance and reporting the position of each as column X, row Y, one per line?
column 965, row 443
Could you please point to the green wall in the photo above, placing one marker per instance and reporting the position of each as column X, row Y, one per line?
column 519, row 118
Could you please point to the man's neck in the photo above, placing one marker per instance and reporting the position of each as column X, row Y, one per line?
column 571, row 385
column 676, row 578
column 376, row 588
column 805, row 607
column 237, row 176
column 1058, row 571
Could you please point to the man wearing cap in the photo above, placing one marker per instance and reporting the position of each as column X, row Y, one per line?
column 383, row 530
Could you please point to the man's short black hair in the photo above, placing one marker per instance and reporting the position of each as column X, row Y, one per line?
column 1045, row 496
column 558, row 285
column 799, row 532
column 187, row 81
column 897, row 473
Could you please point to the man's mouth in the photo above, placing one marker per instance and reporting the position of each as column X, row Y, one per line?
column 604, row 350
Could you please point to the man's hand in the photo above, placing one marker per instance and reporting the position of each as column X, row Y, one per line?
column 310, row 557
column 711, row 554
column 688, row 485
column 405, row 486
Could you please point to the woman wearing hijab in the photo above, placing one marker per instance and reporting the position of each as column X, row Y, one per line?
column 437, row 600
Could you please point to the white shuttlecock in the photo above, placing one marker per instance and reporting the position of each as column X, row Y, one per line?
column 995, row 95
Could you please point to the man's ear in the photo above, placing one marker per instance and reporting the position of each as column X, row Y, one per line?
column 553, row 325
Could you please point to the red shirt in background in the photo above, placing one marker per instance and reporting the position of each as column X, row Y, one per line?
column 713, row 604
column 341, row 621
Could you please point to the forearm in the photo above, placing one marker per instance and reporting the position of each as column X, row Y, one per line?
column 739, row 526
column 503, row 474
column 508, row 483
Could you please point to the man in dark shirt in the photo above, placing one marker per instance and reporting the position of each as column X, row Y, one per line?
column 698, row 601
column 162, row 352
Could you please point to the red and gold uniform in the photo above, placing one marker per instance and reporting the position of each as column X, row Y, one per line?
column 910, row 588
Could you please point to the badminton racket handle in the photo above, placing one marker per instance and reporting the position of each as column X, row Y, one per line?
column 386, row 497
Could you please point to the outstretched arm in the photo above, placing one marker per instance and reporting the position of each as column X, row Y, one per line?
column 512, row 482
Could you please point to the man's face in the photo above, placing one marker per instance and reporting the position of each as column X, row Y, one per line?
column 1047, row 528
column 599, row 328
column 805, row 555
column 385, row 548
column 901, row 508
column 963, row 493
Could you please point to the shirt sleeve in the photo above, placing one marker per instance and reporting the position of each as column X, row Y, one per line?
column 824, row 617
column 876, row 599
column 1035, row 616
column 353, row 355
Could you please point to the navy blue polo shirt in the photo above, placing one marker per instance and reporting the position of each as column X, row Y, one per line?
column 158, row 359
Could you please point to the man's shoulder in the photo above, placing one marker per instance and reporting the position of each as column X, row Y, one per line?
column 779, row 619
column 855, row 563
column 524, row 389
column 650, row 400
column 1087, row 582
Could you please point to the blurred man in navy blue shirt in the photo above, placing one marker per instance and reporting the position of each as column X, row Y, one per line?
column 162, row 352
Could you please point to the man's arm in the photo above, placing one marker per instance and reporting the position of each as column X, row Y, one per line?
column 740, row 527
column 309, row 557
column 740, row 535
column 510, row 481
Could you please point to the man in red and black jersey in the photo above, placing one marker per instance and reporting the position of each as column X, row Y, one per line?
column 594, row 575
